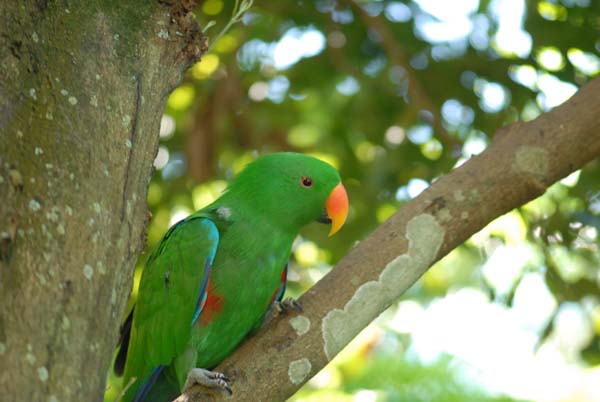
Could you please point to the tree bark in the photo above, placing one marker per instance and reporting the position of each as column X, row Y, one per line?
column 523, row 160
column 82, row 90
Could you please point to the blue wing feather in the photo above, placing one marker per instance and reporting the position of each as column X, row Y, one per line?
column 213, row 235
column 203, row 294
column 147, row 386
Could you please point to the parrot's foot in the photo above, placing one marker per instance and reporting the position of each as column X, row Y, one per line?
column 207, row 378
column 281, row 308
column 287, row 305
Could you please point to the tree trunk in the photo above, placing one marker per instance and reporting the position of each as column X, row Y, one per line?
column 523, row 160
column 82, row 90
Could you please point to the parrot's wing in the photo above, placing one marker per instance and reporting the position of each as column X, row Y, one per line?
column 171, row 295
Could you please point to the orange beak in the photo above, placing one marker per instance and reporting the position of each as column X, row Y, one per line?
column 337, row 208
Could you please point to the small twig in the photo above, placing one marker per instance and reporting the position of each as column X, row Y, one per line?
column 239, row 9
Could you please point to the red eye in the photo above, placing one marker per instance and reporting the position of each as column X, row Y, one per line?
column 306, row 181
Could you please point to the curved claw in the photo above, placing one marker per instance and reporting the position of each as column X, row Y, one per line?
column 207, row 378
column 288, row 305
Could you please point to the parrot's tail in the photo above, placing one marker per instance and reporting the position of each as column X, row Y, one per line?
column 148, row 384
column 160, row 386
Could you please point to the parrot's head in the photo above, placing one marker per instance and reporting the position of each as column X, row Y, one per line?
column 294, row 189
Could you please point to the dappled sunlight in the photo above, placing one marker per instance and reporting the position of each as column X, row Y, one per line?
column 510, row 39
column 587, row 63
column 550, row 58
column 181, row 97
column 510, row 227
column 445, row 21
column 204, row 194
column 326, row 157
column 296, row 44
column 205, row 67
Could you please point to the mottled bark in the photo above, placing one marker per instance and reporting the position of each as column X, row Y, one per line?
column 523, row 160
column 82, row 90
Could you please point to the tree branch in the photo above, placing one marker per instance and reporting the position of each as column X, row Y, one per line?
column 518, row 166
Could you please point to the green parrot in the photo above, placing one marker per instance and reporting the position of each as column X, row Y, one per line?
column 216, row 274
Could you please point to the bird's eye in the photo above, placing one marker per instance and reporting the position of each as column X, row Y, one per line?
column 307, row 181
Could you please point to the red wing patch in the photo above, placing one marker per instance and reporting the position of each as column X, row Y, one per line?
column 284, row 274
column 281, row 288
column 212, row 306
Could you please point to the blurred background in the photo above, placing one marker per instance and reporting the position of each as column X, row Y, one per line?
column 396, row 94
